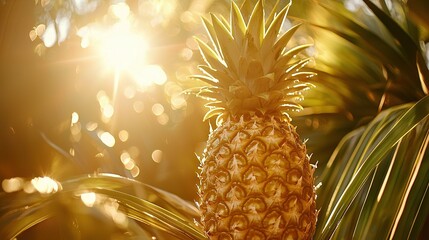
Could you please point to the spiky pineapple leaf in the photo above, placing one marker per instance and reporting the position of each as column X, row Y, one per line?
column 213, row 112
column 217, row 74
column 256, row 25
column 271, row 36
column 273, row 14
column 286, row 57
column 210, row 57
column 212, row 35
column 238, row 26
column 226, row 43
column 283, row 40
column 273, row 29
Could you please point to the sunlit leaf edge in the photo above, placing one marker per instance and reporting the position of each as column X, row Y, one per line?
column 404, row 124
column 22, row 217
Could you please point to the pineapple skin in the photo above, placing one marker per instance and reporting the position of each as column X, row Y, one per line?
column 256, row 181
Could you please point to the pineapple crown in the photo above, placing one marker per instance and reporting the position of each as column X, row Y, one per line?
column 248, row 68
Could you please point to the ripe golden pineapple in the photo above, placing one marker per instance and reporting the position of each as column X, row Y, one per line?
column 256, row 179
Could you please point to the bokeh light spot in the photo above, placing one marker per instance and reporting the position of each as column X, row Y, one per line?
column 91, row 126
column 138, row 106
column 120, row 219
column 75, row 117
column 134, row 151
column 149, row 74
column 120, row 10
column 157, row 109
column 72, row 152
column 107, row 138
column 157, row 156
column 129, row 92
column 75, row 130
column 178, row 101
column 130, row 164
column 108, row 111
column 45, row 185
column 163, row 119
column 123, row 135
column 135, row 171
column 49, row 37
column 28, row 188
column 12, row 184
column 125, row 157
column 186, row 54
column 63, row 24
column 88, row 198
column 85, row 6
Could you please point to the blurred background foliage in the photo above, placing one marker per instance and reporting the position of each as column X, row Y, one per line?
column 77, row 98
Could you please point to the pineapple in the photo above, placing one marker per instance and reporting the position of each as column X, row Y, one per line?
column 256, row 181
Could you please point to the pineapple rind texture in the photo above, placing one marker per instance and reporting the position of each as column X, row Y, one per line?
column 256, row 181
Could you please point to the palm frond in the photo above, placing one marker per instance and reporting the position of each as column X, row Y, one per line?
column 170, row 214
column 361, row 157
column 371, row 88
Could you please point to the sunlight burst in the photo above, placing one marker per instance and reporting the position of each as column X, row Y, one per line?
column 121, row 48
column 45, row 185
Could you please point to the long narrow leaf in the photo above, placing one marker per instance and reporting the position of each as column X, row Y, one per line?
column 406, row 123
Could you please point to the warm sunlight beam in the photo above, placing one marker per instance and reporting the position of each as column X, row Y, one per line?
column 122, row 49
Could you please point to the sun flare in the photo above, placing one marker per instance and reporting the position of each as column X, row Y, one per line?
column 123, row 49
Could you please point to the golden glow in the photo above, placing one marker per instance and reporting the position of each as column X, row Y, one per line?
column 84, row 33
column 12, row 184
column 45, row 185
column 76, row 133
column 110, row 208
column 91, row 126
column 186, row 54
column 71, row 151
column 106, row 108
column 120, row 219
column 123, row 135
column 134, row 151
column 120, row 10
column 49, row 36
column 75, row 118
column 135, row 171
column 157, row 109
column 138, row 106
column 107, row 138
column 123, row 49
column 125, row 157
column 28, row 188
column 149, row 74
column 129, row 92
column 163, row 119
column 88, row 199
column 108, row 111
column 130, row 164
column 178, row 101
column 102, row 98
